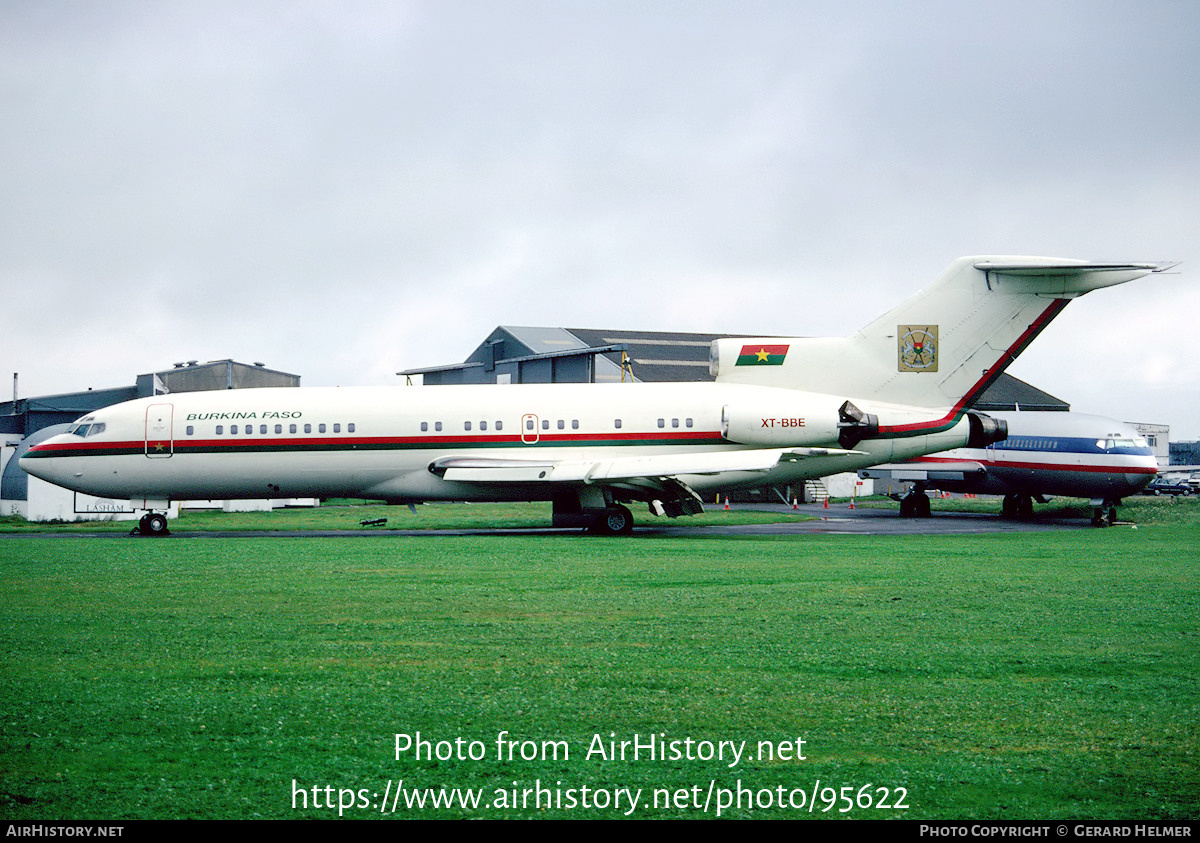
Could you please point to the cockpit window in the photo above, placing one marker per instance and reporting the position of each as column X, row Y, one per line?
column 1120, row 444
column 86, row 427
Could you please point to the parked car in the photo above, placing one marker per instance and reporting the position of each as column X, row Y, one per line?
column 1164, row 486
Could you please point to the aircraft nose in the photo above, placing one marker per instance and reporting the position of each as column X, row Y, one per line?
column 1136, row 481
column 42, row 462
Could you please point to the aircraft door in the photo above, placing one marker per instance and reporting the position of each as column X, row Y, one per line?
column 530, row 433
column 160, row 442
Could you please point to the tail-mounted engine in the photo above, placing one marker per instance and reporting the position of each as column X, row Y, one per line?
column 985, row 430
column 780, row 418
column 855, row 425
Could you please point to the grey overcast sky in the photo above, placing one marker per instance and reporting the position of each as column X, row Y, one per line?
column 346, row 189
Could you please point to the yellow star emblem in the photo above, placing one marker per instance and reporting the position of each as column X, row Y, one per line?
column 763, row 356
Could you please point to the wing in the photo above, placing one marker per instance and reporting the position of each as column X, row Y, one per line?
column 613, row 471
column 651, row 478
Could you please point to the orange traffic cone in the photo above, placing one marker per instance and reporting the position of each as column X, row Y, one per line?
column 727, row 503
column 827, row 503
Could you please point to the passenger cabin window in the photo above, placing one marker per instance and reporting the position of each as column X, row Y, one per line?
column 220, row 429
column 191, row 430
column 337, row 428
column 617, row 424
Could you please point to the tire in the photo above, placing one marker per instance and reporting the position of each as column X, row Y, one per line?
column 615, row 521
column 923, row 510
column 155, row 524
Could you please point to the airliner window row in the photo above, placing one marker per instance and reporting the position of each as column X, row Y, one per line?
column 263, row 429
column 532, row 424
column 1029, row 444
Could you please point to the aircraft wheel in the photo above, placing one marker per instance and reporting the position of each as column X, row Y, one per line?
column 923, row 509
column 906, row 507
column 1112, row 515
column 154, row 524
column 616, row 521
column 1025, row 506
column 1098, row 517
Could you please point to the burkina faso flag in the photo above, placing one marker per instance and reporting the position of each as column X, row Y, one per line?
column 762, row 355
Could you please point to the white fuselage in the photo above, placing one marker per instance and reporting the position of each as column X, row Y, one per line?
column 380, row 442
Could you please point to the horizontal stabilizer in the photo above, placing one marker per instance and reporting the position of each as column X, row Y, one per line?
column 945, row 470
column 1062, row 278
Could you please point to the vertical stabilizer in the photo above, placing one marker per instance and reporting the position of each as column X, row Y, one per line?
column 942, row 347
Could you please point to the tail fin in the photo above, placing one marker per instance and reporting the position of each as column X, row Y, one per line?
column 942, row 347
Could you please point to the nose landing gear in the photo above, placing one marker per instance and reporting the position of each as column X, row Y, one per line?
column 1104, row 515
column 151, row 524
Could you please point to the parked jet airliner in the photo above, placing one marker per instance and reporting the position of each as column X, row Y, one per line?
column 780, row 410
column 1046, row 454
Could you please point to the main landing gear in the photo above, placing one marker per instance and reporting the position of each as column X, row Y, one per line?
column 915, row 505
column 594, row 510
column 151, row 524
column 1017, row 506
column 616, row 520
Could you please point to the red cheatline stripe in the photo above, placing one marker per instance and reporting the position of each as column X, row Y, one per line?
column 270, row 443
column 1110, row 468
column 1095, row 469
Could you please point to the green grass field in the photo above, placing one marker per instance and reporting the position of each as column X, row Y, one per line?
column 1007, row 676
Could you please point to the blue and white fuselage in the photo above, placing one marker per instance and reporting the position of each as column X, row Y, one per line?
column 1046, row 454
